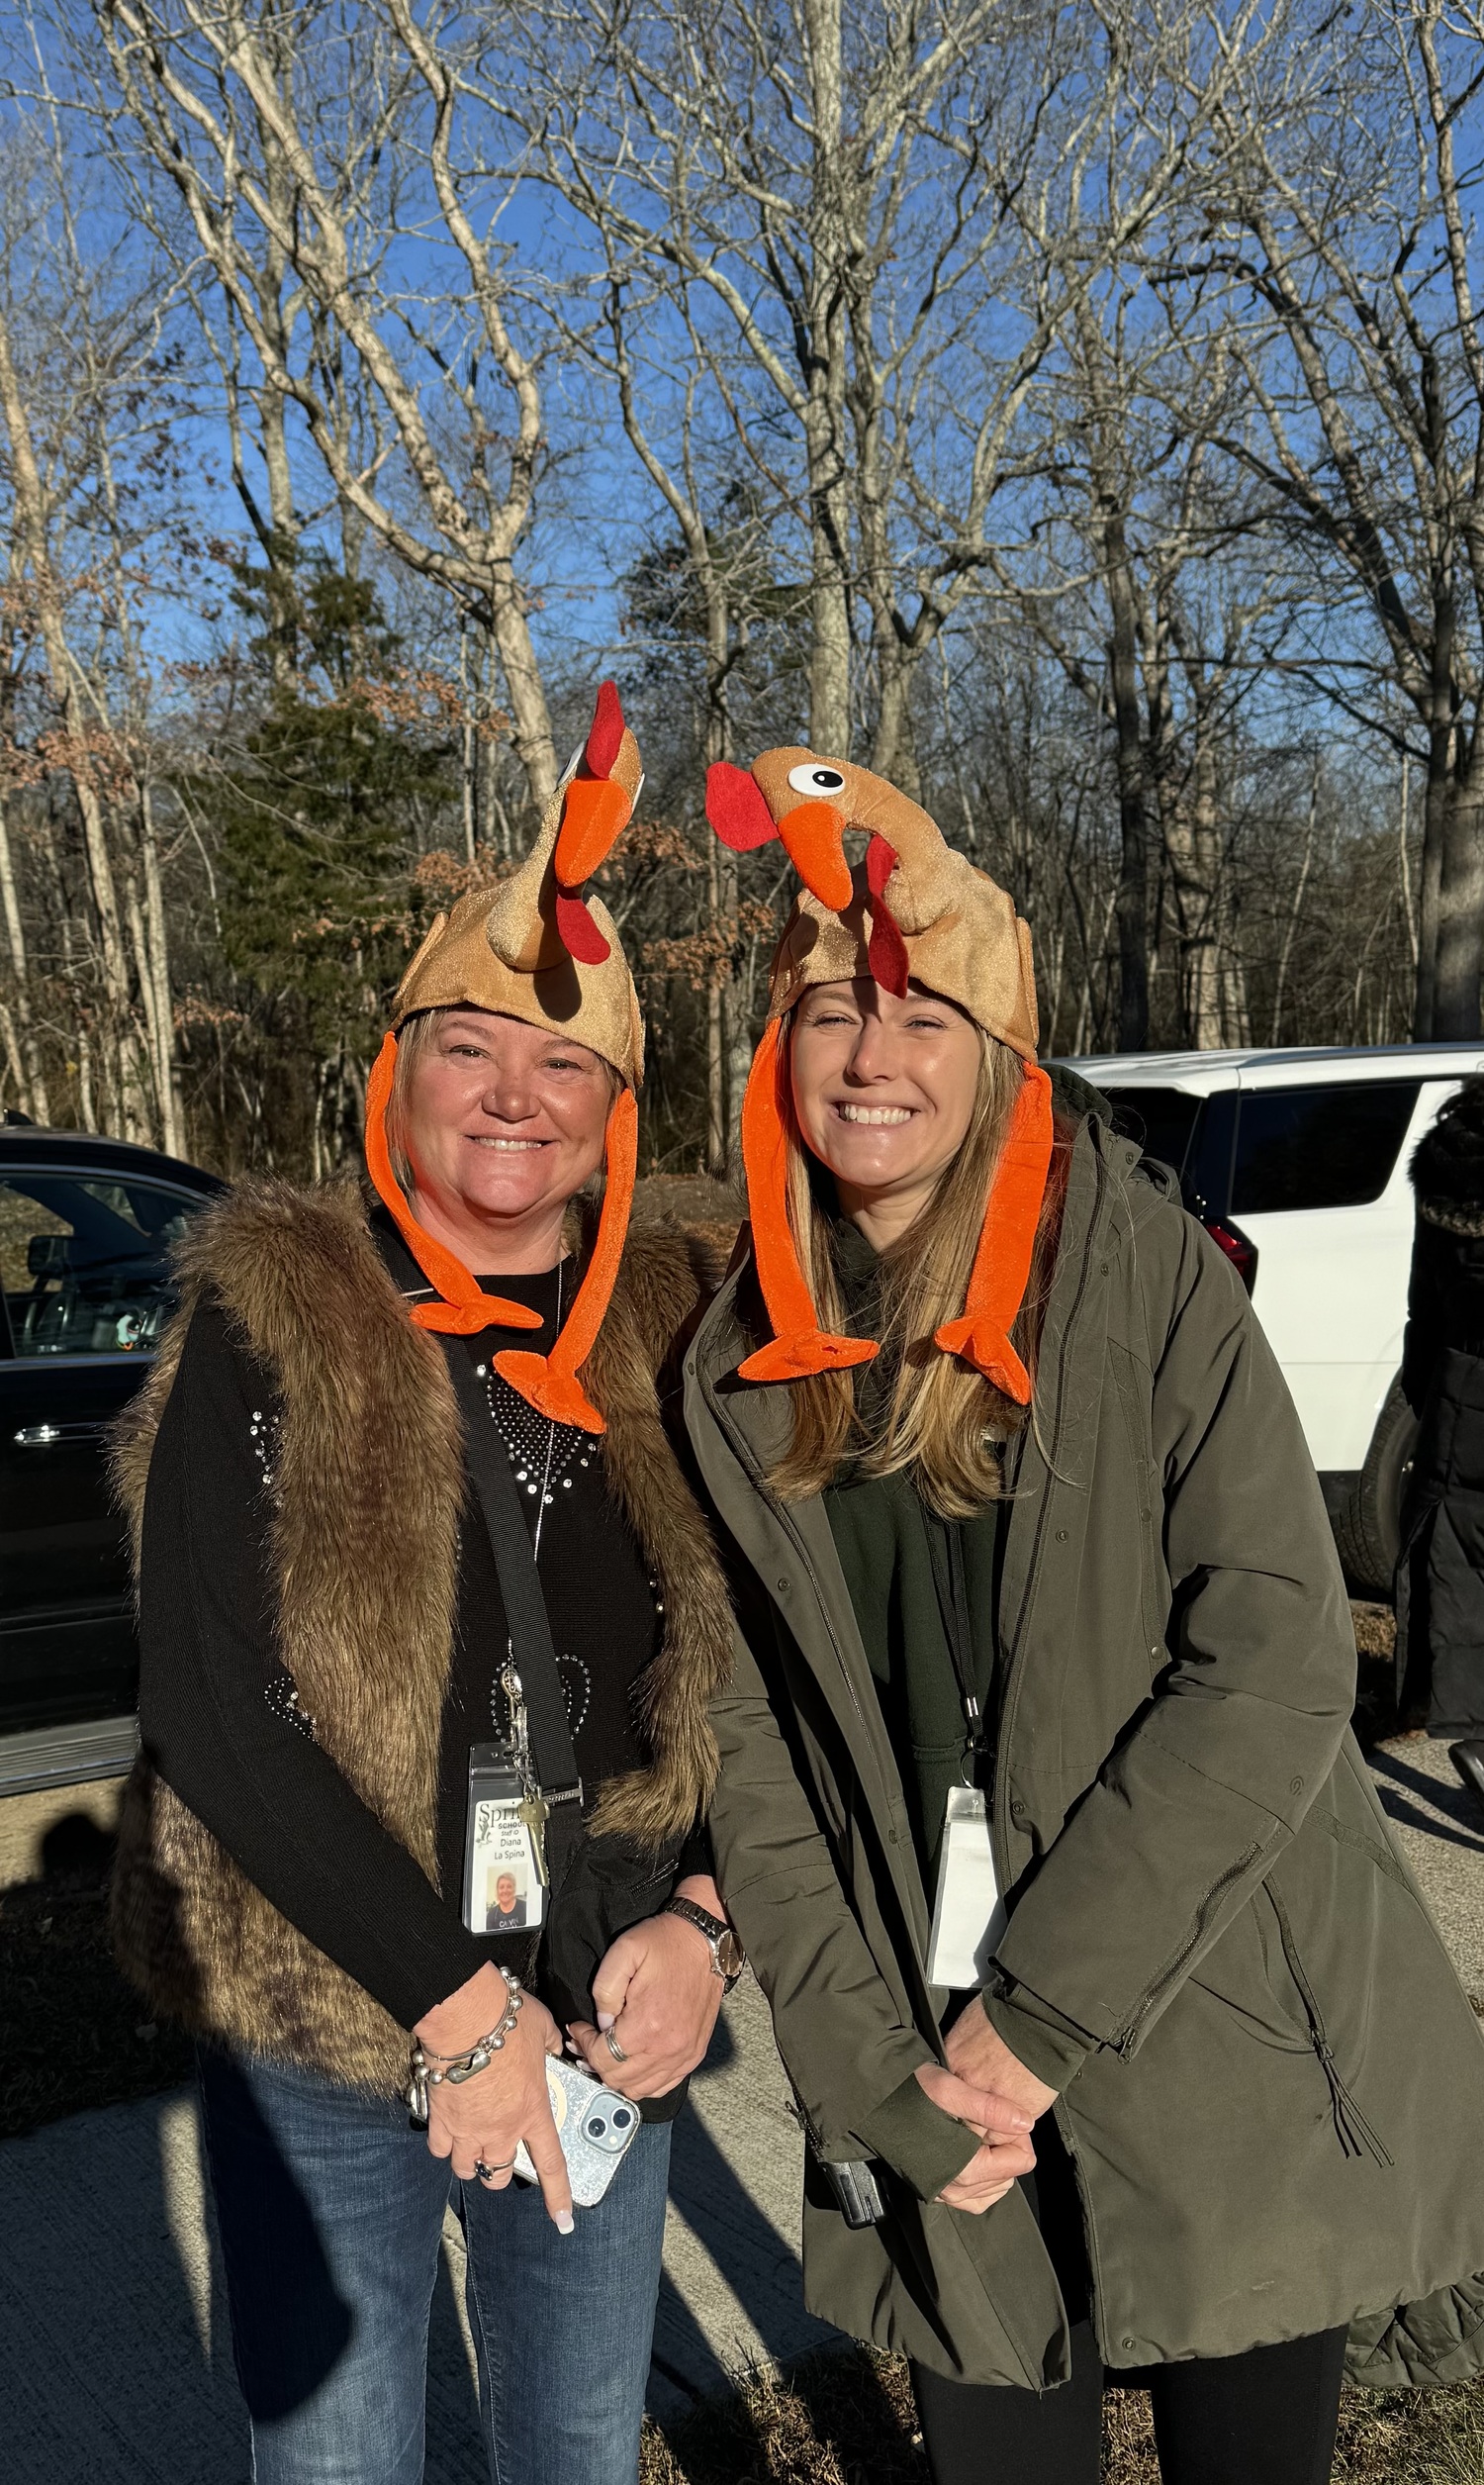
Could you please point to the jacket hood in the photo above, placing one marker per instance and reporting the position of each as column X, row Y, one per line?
column 1448, row 1164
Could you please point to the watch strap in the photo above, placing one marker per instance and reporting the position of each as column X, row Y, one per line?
column 715, row 1929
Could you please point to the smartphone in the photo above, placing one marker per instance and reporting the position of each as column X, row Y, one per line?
column 595, row 2126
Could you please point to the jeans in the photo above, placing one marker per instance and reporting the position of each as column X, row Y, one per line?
column 331, row 2210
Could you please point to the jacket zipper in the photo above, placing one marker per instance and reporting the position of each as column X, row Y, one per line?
column 1011, row 1699
column 1128, row 2037
column 1351, row 2128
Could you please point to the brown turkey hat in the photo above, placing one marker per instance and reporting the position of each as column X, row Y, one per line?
column 541, row 950
column 912, row 908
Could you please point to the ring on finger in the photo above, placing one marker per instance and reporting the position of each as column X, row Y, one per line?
column 613, row 2045
column 487, row 2173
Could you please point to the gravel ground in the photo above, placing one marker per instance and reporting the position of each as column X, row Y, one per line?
column 1441, row 1824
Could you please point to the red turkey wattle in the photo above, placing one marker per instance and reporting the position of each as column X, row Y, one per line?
column 886, row 951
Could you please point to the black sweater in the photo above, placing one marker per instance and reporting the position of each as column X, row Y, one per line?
column 217, row 1714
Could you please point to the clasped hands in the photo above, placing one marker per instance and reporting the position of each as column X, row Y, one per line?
column 657, row 1992
column 985, row 2087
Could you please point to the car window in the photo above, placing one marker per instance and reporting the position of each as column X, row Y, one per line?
column 1160, row 1120
column 1320, row 1147
column 84, row 1261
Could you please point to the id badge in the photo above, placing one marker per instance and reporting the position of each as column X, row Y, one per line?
column 969, row 1914
column 504, row 1891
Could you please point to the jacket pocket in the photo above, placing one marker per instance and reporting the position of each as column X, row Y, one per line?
column 1354, row 2133
column 1248, row 1972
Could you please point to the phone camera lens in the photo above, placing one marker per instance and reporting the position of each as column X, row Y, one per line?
column 622, row 2119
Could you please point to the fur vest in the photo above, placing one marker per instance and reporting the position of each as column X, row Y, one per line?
column 369, row 1487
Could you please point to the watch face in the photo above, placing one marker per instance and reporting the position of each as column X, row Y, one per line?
column 731, row 1957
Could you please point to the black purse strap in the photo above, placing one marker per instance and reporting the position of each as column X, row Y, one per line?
column 519, row 1587
column 520, row 1590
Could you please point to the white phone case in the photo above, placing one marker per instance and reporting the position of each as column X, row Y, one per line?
column 595, row 2126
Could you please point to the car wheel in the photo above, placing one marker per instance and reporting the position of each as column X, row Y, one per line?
column 1369, row 1525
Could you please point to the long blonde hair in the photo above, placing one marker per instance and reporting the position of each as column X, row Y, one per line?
column 940, row 1422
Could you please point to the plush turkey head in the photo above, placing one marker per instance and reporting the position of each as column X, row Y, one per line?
column 808, row 804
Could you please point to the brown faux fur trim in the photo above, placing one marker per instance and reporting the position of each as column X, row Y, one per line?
column 369, row 1487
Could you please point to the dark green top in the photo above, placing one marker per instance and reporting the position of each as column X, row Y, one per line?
column 906, row 1569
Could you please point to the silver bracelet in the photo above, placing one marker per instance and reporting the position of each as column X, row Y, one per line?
column 457, row 2067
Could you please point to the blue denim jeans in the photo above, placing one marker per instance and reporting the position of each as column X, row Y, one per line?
column 331, row 2210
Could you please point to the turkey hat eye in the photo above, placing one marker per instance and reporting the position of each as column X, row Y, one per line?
column 817, row 777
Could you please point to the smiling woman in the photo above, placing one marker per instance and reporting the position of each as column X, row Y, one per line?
column 1120, row 2039
column 489, row 1116
column 430, row 1624
column 905, row 1102
column 885, row 1090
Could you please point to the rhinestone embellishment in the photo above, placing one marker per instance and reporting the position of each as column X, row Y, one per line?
column 525, row 1434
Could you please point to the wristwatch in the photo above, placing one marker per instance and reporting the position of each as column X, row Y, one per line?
column 728, row 1958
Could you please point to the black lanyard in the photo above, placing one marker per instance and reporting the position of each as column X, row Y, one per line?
column 945, row 1538
column 525, row 1613
column 527, row 1623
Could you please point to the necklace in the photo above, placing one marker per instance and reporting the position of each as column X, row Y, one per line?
column 539, row 1465
column 540, row 1451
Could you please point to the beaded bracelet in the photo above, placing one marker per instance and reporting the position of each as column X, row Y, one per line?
column 457, row 2067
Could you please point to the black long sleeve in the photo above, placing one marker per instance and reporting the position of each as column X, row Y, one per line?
column 209, row 1663
column 217, row 1703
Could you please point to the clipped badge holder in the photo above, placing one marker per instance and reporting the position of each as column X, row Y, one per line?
column 504, row 1888
column 969, row 1913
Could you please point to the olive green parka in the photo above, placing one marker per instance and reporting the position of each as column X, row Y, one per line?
column 1271, row 2080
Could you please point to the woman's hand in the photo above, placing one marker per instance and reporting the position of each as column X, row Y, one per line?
column 978, row 2053
column 487, row 2116
column 1002, row 2126
column 658, row 1992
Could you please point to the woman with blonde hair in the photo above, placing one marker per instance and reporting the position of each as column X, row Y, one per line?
column 1123, row 2044
column 428, row 1625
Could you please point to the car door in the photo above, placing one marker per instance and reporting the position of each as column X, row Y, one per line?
column 1319, row 1185
column 84, row 1259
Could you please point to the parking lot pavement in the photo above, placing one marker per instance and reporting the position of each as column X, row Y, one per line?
column 1441, row 1826
column 25, row 1820
column 115, row 2362
column 114, row 2366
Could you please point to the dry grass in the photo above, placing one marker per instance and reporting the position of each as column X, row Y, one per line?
column 848, row 2419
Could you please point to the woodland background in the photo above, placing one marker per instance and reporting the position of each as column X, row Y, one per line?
column 1073, row 412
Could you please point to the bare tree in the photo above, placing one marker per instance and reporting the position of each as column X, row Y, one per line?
column 78, row 366
column 298, row 141
column 1348, row 221
column 871, row 224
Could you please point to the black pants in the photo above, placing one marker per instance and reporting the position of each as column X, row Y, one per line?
column 1266, row 2418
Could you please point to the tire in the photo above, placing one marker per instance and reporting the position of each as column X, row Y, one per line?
column 1369, row 1524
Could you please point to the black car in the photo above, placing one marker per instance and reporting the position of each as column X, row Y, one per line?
column 86, row 1227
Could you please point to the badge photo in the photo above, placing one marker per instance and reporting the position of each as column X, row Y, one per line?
column 504, row 1890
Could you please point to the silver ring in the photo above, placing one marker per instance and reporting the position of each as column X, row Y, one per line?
column 487, row 2172
column 613, row 2045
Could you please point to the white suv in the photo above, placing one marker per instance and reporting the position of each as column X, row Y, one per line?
column 1296, row 1162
